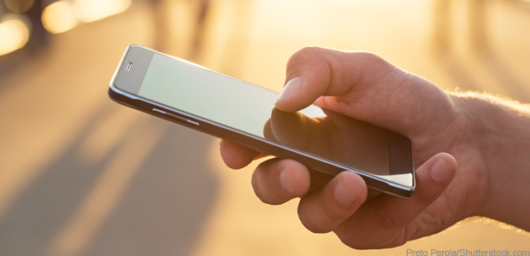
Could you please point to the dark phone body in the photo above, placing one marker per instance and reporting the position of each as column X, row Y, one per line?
column 399, row 148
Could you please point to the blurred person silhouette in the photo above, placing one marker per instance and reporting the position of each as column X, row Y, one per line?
column 471, row 152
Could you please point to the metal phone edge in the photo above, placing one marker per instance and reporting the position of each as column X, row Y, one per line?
column 113, row 89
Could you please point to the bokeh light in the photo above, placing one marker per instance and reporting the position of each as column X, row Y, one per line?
column 59, row 17
column 92, row 10
column 64, row 15
column 14, row 31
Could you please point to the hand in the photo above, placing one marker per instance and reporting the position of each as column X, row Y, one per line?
column 366, row 87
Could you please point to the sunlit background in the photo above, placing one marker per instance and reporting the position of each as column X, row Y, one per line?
column 81, row 175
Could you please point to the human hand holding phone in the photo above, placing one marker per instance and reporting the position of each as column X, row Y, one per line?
column 366, row 87
column 488, row 136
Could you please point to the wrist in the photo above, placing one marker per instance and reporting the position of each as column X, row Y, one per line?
column 498, row 138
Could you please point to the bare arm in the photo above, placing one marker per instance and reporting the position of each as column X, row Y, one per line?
column 500, row 131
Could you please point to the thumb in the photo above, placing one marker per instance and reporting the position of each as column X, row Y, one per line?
column 309, row 76
column 364, row 86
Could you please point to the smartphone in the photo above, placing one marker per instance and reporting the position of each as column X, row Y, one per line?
column 231, row 109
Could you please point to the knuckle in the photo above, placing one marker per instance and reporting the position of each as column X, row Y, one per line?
column 309, row 51
column 399, row 240
column 262, row 186
column 279, row 165
column 266, row 182
column 271, row 199
column 312, row 216
column 255, row 185
column 305, row 55
column 426, row 197
column 369, row 55
column 311, row 221
column 351, row 240
column 392, row 218
column 374, row 62
column 335, row 213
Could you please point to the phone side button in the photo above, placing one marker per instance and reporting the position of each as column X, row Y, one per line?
column 175, row 116
column 159, row 111
column 192, row 122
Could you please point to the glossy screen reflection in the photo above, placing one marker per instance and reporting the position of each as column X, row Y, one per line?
column 250, row 109
column 334, row 137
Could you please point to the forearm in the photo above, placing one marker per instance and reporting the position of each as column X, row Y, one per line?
column 500, row 132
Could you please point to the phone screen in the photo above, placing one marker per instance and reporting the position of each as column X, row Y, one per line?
column 250, row 109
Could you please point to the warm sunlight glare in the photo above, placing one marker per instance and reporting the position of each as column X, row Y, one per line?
column 59, row 17
column 14, row 33
column 91, row 10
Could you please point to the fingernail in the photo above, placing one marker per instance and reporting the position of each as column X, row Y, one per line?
column 286, row 181
column 441, row 171
column 290, row 88
column 344, row 193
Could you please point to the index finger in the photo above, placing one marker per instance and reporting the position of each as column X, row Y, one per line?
column 237, row 156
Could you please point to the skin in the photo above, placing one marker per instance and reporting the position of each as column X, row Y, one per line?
column 470, row 152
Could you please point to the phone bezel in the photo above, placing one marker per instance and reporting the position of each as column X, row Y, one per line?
column 397, row 156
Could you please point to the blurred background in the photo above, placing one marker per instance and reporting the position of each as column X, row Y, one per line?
column 82, row 175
